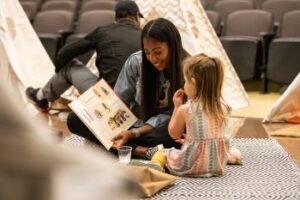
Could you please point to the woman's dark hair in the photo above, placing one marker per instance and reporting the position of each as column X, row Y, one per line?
column 161, row 30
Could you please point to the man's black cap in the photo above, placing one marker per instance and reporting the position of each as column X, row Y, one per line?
column 127, row 7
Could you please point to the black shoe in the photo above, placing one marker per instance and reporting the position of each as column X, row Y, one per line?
column 41, row 105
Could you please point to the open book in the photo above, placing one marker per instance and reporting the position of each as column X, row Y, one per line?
column 103, row 112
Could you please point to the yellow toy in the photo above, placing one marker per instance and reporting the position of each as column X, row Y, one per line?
column 159, row 158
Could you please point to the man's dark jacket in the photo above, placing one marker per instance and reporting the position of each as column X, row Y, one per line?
column 113, row 44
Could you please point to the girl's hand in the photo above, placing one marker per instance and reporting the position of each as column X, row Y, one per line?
column 121, row 139
column 178, row 97
column 181, row 140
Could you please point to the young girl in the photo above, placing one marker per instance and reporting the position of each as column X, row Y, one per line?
column 202, row 118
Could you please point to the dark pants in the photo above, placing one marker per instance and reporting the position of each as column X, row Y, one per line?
column 158, row 136
column 76, row 74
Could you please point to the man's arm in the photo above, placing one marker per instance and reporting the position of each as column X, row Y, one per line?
column 76, row 48
column 72, row 50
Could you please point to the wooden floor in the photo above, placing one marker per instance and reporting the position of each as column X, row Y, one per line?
column 240, row 127
column 253, row 128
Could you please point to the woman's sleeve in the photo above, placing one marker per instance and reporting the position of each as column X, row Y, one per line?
column 126, row 84
column 158, row 120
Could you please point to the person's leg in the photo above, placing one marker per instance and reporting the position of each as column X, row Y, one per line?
column 75, row 73
column 144, row 144
column 76, row 126
column 159, row 135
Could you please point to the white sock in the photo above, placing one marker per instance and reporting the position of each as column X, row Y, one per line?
column 40, row 95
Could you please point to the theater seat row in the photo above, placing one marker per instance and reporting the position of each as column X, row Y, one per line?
column 256, row 52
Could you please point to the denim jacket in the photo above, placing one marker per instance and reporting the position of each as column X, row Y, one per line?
column 128, row 87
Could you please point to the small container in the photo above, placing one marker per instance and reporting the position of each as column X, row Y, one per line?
column 124, row 153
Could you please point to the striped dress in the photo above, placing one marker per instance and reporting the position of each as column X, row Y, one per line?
column 203, row 153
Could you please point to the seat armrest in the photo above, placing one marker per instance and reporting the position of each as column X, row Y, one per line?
column 267, row 35
column 49, row 35
column 65, row 33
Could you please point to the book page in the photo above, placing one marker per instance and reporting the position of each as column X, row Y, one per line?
column 103, row 112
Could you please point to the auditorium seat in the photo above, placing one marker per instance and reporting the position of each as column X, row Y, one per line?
column 211, row 3
column 214, row 19
column 30, row 8
column 205, row 4
column 84, row 1
column 98, row 5
column 279, row 7
column 245, row 34
column 77, row 1
column 87, row 22
column 68, row 5
column 258, row 3
column 52, row 28
column 39, row 2
column 225, row 7
column 284, row 60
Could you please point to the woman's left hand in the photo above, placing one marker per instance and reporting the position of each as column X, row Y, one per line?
column 121, row 139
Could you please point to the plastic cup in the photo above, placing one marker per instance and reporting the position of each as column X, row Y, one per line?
column 124, row 153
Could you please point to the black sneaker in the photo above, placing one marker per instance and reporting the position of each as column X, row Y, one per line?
column 41, row 105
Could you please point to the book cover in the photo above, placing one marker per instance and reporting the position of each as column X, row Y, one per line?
column 103, row 112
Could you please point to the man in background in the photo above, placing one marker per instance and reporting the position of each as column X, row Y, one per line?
column 113, row 44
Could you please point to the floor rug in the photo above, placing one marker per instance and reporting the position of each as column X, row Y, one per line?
column 268, row 172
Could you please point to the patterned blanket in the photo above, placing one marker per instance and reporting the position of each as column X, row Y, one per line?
column 268, row 172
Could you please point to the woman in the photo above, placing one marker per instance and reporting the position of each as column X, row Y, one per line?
column 147, row 82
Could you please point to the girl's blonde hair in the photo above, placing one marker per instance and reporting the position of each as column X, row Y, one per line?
column 208, row 73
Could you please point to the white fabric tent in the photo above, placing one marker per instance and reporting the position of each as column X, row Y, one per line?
column 23, row 60
column 287, row 107
column 198, row 37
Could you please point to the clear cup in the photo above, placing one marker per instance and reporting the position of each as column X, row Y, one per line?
column 124, row 153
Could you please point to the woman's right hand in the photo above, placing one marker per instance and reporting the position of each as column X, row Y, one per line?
column 178, row 97
column 121, row 139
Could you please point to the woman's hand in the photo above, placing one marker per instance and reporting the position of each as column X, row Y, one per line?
column 178, row 97
column 121, row 139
